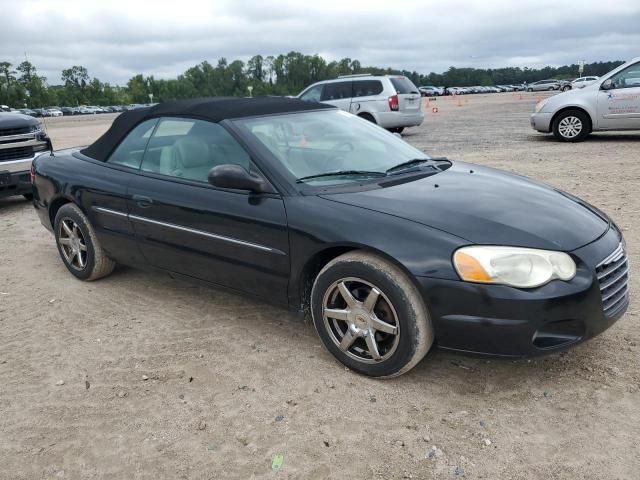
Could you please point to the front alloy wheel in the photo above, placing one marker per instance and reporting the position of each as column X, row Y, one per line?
column 361, row 320
column 370, row 315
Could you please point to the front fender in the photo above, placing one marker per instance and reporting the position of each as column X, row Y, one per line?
column 417, row 249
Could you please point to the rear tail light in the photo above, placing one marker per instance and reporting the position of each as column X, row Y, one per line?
column 394, row 104
column 32, row 174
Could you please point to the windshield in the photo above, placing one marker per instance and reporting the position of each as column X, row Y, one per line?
column 344, row 147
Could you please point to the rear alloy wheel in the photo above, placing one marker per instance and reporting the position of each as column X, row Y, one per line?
column 370, row 316
column 571, row 126
column 78, row 245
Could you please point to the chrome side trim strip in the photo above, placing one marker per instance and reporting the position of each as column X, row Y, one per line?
column 108, row 211
column 204, row 234
column 117, row 213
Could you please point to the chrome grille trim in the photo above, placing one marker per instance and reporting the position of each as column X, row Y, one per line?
column 613, row 277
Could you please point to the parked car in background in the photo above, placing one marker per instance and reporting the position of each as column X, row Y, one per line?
column 391, row 101
column 611, row 102
column 22, row 138
column 541, row 85
column 53, row 112
column 68, row 110
column 387, row 249
column 27, row 111
column 583, row 82
column 428, row 91
column 564, row 85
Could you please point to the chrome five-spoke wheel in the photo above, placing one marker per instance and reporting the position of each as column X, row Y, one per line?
column 72, row 244
column 361, row 320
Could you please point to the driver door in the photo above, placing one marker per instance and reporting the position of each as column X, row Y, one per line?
column 619, row 106
column 232, row 238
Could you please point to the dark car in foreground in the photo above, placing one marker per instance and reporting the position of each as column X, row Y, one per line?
column 310, row 207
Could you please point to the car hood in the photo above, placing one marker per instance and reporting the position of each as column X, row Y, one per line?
column 486, row 206
column 10, row 120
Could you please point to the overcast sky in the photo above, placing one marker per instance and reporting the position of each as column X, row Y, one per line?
column 116, row 39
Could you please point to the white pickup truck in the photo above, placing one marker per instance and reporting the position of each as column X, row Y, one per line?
column 22, row 138
column 612, row 102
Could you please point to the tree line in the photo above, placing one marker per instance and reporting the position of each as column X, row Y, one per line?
column 272, row 75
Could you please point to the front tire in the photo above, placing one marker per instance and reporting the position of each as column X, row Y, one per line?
column 571, row 126
column 370, row 316
column 396, row 130
column 78, row 245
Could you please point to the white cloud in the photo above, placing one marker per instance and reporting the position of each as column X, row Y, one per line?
column 119, row 38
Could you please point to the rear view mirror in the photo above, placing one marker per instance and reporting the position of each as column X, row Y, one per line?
column 238, row 178
column 606, row 85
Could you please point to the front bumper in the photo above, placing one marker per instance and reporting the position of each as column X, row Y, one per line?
column 541, row 121
column 508, row 322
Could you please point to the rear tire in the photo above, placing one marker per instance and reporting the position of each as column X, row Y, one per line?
column 380, row 334
column 530, row 90
column 368, row 117
column 28, row 196
column 78, row 245
column 571, row 126
column 396, row 130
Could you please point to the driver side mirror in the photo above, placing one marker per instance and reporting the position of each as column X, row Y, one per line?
column 607, row 85
column 237, row 178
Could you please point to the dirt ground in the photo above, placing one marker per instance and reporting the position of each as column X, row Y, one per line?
column 163, row 379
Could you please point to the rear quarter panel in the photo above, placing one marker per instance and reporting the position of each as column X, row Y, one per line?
column 71, row 177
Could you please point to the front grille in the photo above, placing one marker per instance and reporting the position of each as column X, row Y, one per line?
column 4, row 132
column 16, row 153
column 613, row 277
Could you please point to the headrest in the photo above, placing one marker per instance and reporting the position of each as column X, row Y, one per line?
column 192, row 151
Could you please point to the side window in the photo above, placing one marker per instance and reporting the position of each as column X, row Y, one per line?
column 190, row 148
column 129, row 152
column 313, row 94
column 628, row 78
column 336, row 91
column 366, row 88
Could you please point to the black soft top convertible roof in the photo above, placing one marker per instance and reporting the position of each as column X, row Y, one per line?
column 211, row 109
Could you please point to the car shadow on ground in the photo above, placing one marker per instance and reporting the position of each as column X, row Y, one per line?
column 457, row 372
column 594, row 137
column 11, row 204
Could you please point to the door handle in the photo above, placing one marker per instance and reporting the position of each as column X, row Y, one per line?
column 142, row 201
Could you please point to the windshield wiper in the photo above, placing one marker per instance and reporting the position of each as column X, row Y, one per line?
column 408, row 164
column 343, row 172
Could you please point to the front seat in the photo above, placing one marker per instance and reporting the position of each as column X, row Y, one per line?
column 192, row 158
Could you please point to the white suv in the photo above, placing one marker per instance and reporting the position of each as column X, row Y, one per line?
column 391, row 101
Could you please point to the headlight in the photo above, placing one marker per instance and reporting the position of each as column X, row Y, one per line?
column 540, row 105
column 514, row 266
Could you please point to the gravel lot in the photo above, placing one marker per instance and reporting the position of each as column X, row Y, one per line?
column 163, row 379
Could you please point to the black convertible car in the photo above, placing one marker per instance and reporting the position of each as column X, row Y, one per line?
column 310, row 207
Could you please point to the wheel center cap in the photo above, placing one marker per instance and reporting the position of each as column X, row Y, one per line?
column 361, row 321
